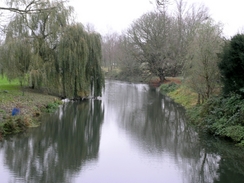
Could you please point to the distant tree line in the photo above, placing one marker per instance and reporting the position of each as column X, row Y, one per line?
column 46, row 49
column 176, row 39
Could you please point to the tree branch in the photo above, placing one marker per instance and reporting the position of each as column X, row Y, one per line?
column 26, row 11
column 162, row 2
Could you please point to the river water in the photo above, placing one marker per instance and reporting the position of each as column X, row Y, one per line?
column 133, row 134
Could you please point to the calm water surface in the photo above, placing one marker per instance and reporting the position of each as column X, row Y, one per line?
column 132, row 135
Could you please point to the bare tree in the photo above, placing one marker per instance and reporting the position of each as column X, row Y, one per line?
column 186, row 20
column 161, row 38
column 162, row 2
column 127, row 61
column 150, row 38
column 201, row 69
column 110, row 47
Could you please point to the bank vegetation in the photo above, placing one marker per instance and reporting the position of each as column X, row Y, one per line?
column 176, row 40
column 50, row 55
column 30, row 107
column 44, row 48
column 182, row 40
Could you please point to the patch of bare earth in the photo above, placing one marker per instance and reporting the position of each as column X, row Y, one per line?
column 156, row 81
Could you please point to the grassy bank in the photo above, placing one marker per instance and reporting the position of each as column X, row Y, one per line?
column 220, row 116
column 31, row 105
column 178, row 92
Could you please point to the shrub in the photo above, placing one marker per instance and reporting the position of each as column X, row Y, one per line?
column 167, row 88
column 222, row 116
column 15, row 125
column 52, row 106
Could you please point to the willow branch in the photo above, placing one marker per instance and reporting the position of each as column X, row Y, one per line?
column 27, row 11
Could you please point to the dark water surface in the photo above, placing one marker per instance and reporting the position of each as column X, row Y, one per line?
column 132, row 135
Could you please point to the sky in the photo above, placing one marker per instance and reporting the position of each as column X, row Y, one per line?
column 110, row 15
column 229, row 13
column 116, row 15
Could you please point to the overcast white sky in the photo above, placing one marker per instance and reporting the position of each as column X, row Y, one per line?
column 117, row 15
column 110, row 15
column 230, row 13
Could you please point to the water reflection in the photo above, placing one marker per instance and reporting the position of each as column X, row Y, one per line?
column 231, row 163
column 158, row 125
column 140, row 126
column 60, row 147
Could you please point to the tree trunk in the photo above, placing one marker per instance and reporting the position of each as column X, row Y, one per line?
column 162, row 78
column 161, row 75
column 75, row 88
column 198, row 99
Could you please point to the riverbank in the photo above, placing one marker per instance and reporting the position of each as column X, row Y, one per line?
column 31, row 105
column 219, row 116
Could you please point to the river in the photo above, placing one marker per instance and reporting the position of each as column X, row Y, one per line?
column 133, row 134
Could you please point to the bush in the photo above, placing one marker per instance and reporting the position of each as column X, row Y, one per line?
column 167, row 88
column 15, row 124
column 51, row 107
column 221, row 116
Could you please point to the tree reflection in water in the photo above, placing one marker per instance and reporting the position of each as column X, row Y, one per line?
column 60, row 147
column 157, row 125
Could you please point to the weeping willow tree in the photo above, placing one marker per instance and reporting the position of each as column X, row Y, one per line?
column 79, row 56
column 15, row 59
column 46, row 28
column 72, row 59
column 94, row 72
column 63, row 58
column 41, row 23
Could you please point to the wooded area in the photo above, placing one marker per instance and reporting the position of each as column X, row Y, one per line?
column 186, row 42
column 182, row 42
column 46, row 49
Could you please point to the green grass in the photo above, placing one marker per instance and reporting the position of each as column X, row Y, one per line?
column 5, row 84
column 184, row 96
column 31, row 105
column 169, row 87
column 8, row 90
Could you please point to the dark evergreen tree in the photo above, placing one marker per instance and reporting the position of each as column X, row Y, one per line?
column 232, row 65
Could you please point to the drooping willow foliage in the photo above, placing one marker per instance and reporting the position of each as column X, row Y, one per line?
column 72, row 59
column 53, row 53
column 79, row 57
column 18, row 59
column 94, row 72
